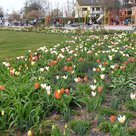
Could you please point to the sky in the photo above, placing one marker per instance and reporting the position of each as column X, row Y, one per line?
column 10, row 5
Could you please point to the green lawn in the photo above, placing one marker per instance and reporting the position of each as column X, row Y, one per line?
column 13, row 44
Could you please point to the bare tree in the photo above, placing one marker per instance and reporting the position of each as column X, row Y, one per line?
column 56, row 13
column 35, row 8
column 14, row 16
column 69, row 8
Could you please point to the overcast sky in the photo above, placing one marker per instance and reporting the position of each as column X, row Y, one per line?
column 10, row 5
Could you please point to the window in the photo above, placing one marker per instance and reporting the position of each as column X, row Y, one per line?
column 92, row 9
column 84, row 9
column 97, row 8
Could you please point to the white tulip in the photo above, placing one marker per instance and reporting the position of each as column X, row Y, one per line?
column 133, row 96
column 64, row 77
column 102, row 69
column 32, row 63
column 94, row 69
column 41, row 69
column 76, row 80
column 48, row 88
column 121, row 119
column 43, row 86
column 93, row 94
column 48, row 92
column 93, row 87
column 102, row 76
column 112, row 66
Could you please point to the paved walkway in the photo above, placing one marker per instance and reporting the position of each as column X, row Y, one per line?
column 107, row 27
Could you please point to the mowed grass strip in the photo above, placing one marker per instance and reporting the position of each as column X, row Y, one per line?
column 13, row 44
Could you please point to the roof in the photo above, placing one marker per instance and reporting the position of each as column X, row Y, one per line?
column 88, row 2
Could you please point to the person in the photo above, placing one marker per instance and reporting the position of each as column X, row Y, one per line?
column 26, row 22
column 35, row 21
column 126, row 21
column 1, row 22
column 90, row 22
column 69, row 22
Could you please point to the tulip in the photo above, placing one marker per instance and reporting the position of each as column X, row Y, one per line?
column 32, row 63
column 85, row 79
column 98, row 61
column 121, row 119
column 29, row 133
column 43, row 86
column 102, row 69
column 48, row 92
column 41, row 69
column 47, row 68
column 133, row 96
column 48, row 88
column 93, row 94
column 57, row 94
column 36, row 85
column 67, row 91
column 94, row 69
column 2, row 87
column 76, row 80
column 17, row 73
column 102, row 76
column 112, row 66
column 93, row 87
column 66, row 68
column 2, row 113
column 112, row 119
column 70, row 68
column 99, row 89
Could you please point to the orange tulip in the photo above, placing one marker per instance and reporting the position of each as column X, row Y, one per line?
column 116, row 65
column 70, row 58
column 80, row 59
column 79, row 79
column 36, row 85
column 105, row 63
column 53, row 62
column 58, row 59
column 62, row 90
column 85, row 79
column 129, row 59
column 112, row 119
column 70, row 68
column 125, row 63
column 98, row 69
column 132, row 58
column 122, row 67
column 57, row 94
column 49, row 64
column 66, row 68
column 2, row 87
column 99, row 89
column 98, row 61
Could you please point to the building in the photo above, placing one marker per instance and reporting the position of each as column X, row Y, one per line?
column 88, row 8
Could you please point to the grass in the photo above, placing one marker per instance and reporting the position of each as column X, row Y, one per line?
column 13, row 44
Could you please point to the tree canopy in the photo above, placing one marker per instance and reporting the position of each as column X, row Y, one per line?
column 1, row 12
column 35, row 8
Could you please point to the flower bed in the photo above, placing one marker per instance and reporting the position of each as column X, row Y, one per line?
column 87, row 83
